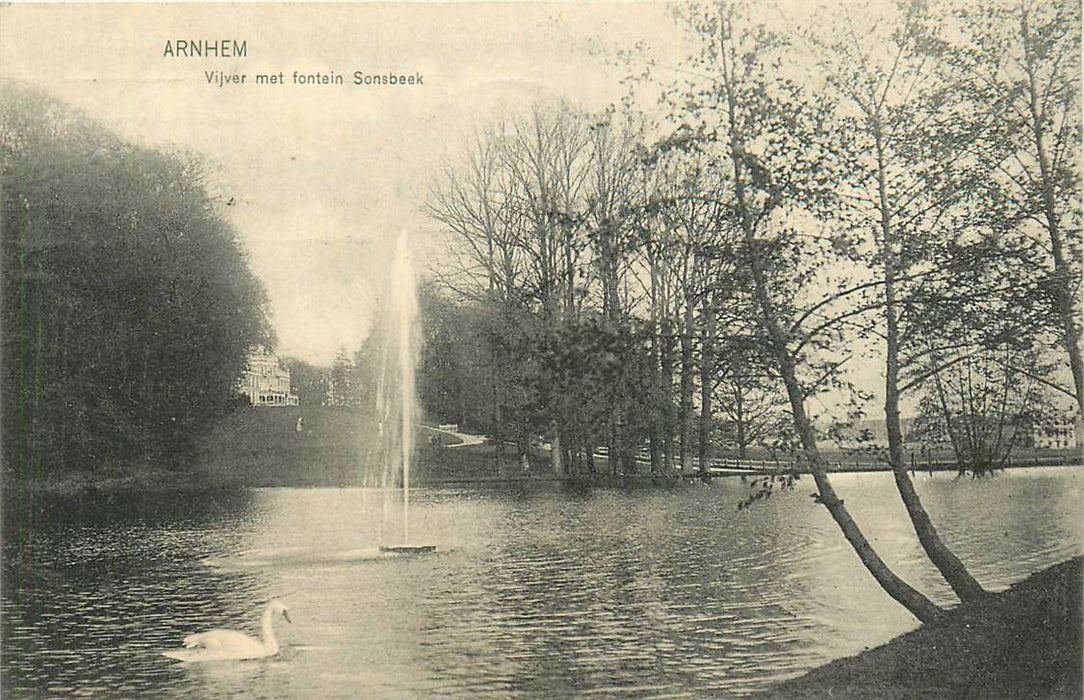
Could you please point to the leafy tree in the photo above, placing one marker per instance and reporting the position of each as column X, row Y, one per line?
column 1022, row 62
column 761, row 122
column 453, row 384
column 983, row 410
column 903, row 170
column 308, row 381
column 129, row 308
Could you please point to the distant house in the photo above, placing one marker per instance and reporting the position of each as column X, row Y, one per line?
column 266, row 382
column 1058, row 434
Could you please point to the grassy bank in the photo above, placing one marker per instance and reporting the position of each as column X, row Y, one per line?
column 330, row 447
column 263, row 446
column 256, row 447
column 106, row 495
column 1022, row 643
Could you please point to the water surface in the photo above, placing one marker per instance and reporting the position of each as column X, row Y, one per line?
column 535, row 592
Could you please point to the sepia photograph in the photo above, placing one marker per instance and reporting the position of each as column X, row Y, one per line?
column 585, row 349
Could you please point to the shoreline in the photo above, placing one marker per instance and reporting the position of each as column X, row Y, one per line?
column 1022, row 642
column 141, row 480
column 264, row 448
column 164, row 482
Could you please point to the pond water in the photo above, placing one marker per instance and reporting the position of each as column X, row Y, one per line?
column 536, row 591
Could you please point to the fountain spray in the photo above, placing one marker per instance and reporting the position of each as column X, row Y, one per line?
column 405, row 303
column 396, row 392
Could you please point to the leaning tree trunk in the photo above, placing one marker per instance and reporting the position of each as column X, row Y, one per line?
column 917, row 604
column 952, row 569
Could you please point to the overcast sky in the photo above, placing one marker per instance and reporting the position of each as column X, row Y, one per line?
column 322, row 177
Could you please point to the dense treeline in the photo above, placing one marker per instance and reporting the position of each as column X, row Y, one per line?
column 343, row 383
column 128, row 309
column 594, row 296
column 898, row 187
column 898, row 184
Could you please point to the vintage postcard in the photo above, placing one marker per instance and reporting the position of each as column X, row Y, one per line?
column 541, row 349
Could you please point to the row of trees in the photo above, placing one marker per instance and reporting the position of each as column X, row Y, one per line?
column 906, row 182
column 343, row 383
column 129, row 308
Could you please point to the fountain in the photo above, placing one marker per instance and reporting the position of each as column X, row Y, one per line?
column 386, row 470
column 395, row 396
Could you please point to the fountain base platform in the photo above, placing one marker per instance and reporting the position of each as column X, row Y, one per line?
column 302, row 556
column 409, row 549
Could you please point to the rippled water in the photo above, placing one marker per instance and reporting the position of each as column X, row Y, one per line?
column 536, row 592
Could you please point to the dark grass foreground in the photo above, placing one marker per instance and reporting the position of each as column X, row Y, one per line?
column 1022, row 643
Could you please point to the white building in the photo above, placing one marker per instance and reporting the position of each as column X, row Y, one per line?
column 1059, row 434
column 266, row 382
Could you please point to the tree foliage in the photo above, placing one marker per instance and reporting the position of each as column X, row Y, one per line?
column 129, row 308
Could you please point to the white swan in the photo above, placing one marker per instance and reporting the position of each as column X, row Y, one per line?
column 217, row 645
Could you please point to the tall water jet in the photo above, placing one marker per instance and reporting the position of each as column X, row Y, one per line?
column 395, row 394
